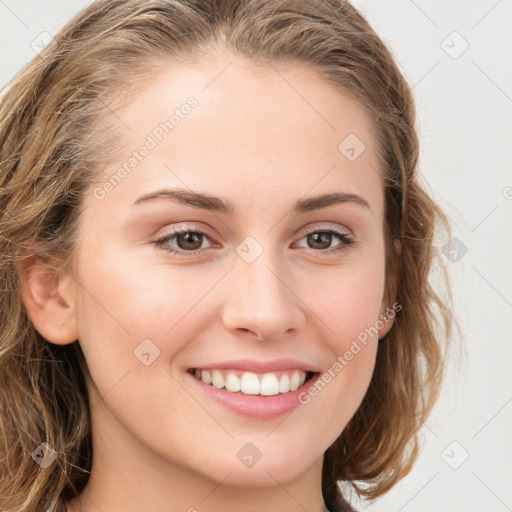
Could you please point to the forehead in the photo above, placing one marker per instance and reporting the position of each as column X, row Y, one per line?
column 246, row 129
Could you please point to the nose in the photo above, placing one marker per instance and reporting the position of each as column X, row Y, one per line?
column 260, row 301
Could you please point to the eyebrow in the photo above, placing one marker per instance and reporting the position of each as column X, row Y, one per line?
column 215, row 204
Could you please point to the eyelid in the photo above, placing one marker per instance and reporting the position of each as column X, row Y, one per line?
column 185, row 228
column 325, row 226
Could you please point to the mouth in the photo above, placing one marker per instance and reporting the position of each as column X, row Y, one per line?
column 250, row 383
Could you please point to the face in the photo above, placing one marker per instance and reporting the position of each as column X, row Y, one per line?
column 212, row 257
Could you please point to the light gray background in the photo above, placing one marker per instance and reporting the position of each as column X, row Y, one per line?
column 465, row 123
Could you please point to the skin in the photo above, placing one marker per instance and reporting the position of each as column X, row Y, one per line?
column 253, row 140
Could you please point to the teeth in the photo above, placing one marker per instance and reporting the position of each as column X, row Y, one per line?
column 206, row 377
column 249, row 383
column 294, row 381
column 284, row 384
column 233, row 383
column 217, row 379
column 269, row 384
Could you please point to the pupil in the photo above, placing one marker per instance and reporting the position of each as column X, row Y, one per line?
column 189, row 240
column 323, row 239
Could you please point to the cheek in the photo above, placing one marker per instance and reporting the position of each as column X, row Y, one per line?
column 129, row 307
column 133, row 320
column 346, row 300
column 349, row 310
column 137, row 297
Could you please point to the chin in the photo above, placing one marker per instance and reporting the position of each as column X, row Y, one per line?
column 254, row 467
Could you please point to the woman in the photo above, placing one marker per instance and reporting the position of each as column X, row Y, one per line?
column 215, row 253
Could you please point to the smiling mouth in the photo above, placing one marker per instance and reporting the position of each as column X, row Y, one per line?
column 250, row 383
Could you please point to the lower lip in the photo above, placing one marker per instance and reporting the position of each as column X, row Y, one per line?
column 255, row 406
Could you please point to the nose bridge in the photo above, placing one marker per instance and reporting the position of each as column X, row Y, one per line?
column 259, row 298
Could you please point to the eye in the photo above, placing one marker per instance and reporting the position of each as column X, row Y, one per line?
column 189, row 242
column 322, row 240
column 183, row 241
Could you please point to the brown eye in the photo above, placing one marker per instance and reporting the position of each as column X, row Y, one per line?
column 186, row 242
column 190, row 240
column 326, row 240
column 319, row 240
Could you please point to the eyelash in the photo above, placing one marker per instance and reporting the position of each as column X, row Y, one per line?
column 161, row 243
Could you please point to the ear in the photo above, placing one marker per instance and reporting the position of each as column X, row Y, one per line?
column 49, row 296
column 389, row 307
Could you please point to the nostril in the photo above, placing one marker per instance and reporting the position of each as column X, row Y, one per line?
column 245, row 329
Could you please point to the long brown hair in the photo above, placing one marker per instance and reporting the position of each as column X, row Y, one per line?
column 49, row 155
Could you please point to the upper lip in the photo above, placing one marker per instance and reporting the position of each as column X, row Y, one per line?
column 251, row 365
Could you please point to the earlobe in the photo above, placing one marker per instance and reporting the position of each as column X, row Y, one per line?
column 385, row 322
column 49, row 297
